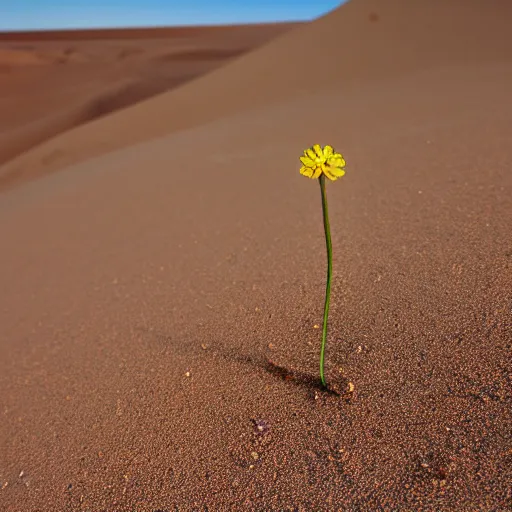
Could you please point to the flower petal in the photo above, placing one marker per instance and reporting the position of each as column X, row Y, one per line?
column 306, row 171
column 310, row 153
column 329, row 174
column 336, row 171
column 307, row 161
column 318, row 150
column 317, row 173
column 336, row 161
column 328, row 152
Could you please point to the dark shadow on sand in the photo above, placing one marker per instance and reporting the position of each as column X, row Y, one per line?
column 293, row 376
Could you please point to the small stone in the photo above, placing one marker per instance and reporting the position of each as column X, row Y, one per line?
column 316, row 326
column 204, row 346
column 22, row 473
column 251, row 466
column 187, row 374
column 255, row 455
column 359, row 349
column 261, row 426
column 351, row 387
column 442, row 483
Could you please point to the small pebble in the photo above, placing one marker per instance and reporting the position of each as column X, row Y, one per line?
column 204, row 346
column 261, row 426
column 316, row 326
column 351, row 387
column 255, row 455
column 187, row 374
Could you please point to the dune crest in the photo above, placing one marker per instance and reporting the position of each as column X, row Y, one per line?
column 360, row 41
column 82, row 75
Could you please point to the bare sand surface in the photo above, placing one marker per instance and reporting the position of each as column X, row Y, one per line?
column 51, row 82
column 162, row 276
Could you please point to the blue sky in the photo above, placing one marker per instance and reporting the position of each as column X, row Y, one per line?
column 50, row 14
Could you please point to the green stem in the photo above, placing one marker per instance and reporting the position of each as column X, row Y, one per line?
column 328, row 244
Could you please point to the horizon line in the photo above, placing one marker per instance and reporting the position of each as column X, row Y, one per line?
column 146, row 27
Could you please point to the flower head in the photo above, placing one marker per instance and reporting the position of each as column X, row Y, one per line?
column 317, row 161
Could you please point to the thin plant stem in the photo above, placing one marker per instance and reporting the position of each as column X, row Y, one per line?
column 328, row 244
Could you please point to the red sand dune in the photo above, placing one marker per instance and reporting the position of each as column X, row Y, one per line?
column 84, row 75
column 344, row 49
column 160, row 291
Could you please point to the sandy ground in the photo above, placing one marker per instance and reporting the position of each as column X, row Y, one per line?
column 163, row 272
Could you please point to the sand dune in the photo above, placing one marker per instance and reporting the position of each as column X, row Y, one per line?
column 14, row 58
column 346, row 48
column 81, row 76
column 159, row 295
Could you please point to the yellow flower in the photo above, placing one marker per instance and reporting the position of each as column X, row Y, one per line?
column 317, row 161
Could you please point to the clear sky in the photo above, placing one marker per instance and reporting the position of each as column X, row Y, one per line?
column 50, row 14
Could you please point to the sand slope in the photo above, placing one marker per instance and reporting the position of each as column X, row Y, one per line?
column 51, row 82
column 201, row 251
column 359, row 42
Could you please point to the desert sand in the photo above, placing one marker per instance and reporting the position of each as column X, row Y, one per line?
column 51, row 81
column 163, row 270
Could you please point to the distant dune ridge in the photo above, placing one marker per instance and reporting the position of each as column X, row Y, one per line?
column 163, row 271
column 83, row 75
column 345, row 47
